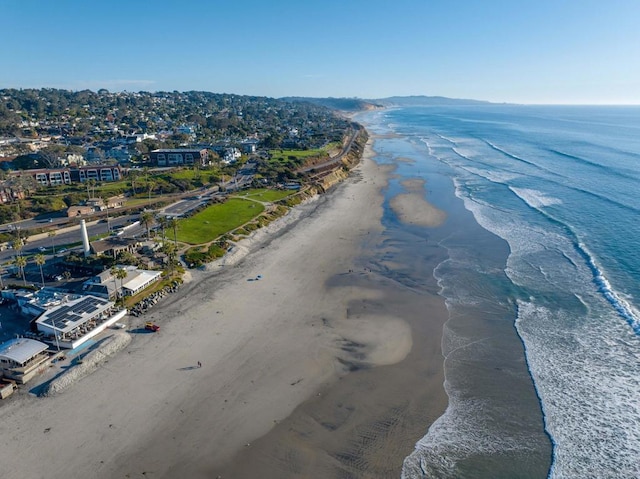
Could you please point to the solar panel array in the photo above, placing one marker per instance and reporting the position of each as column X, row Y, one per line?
column 74, row 312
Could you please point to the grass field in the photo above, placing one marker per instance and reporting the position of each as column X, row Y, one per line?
column 298, row 154
column 264, row 194
column 217, row 220
column 184, row 174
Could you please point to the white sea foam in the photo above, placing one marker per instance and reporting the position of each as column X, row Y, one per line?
column 534, row 198
column 589, row 390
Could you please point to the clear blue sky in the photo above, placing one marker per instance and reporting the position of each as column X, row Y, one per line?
column 526, row 51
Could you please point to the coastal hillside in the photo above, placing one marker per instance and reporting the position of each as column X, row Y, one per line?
column 343, row 104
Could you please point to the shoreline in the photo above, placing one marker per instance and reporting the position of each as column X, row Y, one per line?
column 366, row 423
column 321, row 320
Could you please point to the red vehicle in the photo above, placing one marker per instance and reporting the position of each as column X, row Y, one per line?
column 149, row 326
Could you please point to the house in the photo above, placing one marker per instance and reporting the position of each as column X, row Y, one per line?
column 9, row 195
column 113, row 245
column 249, row 145
column 179, row 157
column 80, row 210
column 119, row 153
column 95, row 205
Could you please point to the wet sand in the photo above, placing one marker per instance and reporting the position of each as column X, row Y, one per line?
column 367, row 422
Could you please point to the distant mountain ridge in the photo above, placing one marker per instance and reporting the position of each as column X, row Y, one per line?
column 359, row 104
column 422, row 100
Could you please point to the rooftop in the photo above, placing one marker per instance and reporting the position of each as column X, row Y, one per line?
column 21, row 350
column 74, row 313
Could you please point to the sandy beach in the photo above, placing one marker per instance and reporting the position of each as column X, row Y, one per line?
column 318, row 360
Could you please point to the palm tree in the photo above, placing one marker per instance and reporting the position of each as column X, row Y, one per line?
column 133, row 178
column 121, row 274
column 39, row 259
column 150, row 185
column 162, row 221
column 173, row 223
column 17, row 244
column 114, row 273
column 21, row 262
column 51, row 234
column 91, row 188
column 146, row 217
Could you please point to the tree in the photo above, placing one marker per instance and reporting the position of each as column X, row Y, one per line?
column 114, row 273
column 150, row 186
column 40, row 260
column 121, row 274
column 171, row 251
column 91, row 188
column 17, row 244
column 118, row 273
column 173, row 224
column 162, row 221
column 147, row 217
column 21, row 262
column 133, row 178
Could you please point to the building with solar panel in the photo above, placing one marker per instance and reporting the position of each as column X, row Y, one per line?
column 73, row 322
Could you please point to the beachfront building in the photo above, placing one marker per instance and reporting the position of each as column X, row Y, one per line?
column 139, row 280
column 105, row 285
column 22, row 358
column 74, row 322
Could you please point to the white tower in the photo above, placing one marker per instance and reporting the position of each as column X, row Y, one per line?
column 85, row 238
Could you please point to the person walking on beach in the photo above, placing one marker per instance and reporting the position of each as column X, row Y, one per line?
column 199, row 364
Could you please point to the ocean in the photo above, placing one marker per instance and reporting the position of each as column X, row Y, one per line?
column 542, row 283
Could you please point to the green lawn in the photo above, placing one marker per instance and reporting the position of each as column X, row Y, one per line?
column 298, row 154
column 111, row 188
column 217, row 220
column 264, row 194
column 143, row 200
column 183, row 174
